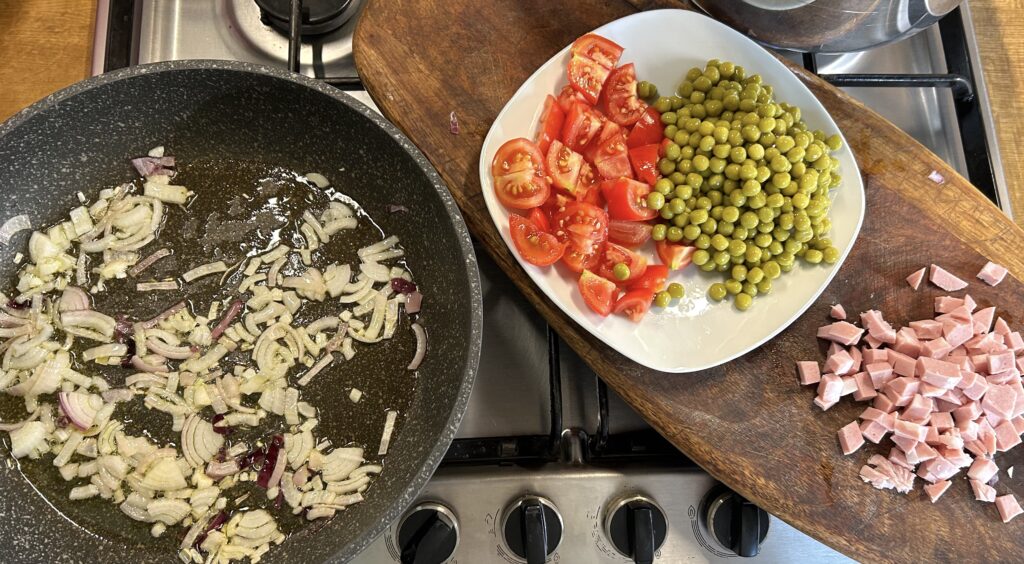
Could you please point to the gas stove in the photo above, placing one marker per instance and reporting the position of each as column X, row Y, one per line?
column 548, row 464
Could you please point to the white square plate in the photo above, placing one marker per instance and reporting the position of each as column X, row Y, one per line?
column 698, row 333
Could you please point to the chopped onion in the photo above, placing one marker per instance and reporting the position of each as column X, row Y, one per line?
column 148, row 261
column 153, row 286
column 199, row 441
column 144, row 365
column 74, row 299
column 376, row 272
column 227, row 320
column 355, row 395
column 117, row 395
column 218, row 470
column 152, row 165
column 204, row 270
column 80, row 408
column 421, row 346
column 320, row 365
column 93, row 321
column 169, row 312
column 105, row 351
column 28, row 440
column 395, row 208
column 164, row 475
column 389, row 428
column 12, row 226
column 318, row 179
column 379, row 246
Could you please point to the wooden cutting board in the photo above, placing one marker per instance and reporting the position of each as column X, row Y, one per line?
column 748, row 423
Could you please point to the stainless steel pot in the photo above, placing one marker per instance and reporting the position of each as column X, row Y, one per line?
column 828, row 26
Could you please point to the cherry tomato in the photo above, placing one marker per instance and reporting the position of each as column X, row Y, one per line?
column 621, row 102
column 648, row 129
column 612, row 158
column 614, row 254
column 604, row 52
column 569, row 96
column 582, row 125
column 540, row 218
column 634, row 304
column 535, row 246
column 608, row 130
column 520, row 181
column 551, row 120
column 585, row 228
column 628, row 233
column 587, row 77
column 554, row 204
column 563, row 166
column 645, row 162
column 674, row 255
column 654, row 278
column 598, row 293
column 627, row 199
column 586, row 189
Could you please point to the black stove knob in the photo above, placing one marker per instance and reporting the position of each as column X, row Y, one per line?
column 737, row 524
column 532, row 529
column 428, row 534
column 636, row 527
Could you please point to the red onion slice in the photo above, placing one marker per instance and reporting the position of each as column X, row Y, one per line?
column 148, row 261
column 421, row 346
column 169, row 312
column 79, row 408
column 403, row 286
column 225, row 322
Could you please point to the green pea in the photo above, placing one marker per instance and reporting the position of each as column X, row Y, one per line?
column 621, row 271
column 691, row 232
column 663, row 104
column 677, row 102
column 764, row 286
column 684, row 191
column 669, row 117
column 659, row 231
column 666, row 213
column 677, row 205
column 673, row 152
column 676, row 178
column 771, row 268
column 749, row 289
column 698, row 216
column 834, row 142
column 666, row 166
column 751, row 188
column 726, row 228
column 753, row 253
column 733, row 287
column 813, row 256
column 721, row 258
column 655, row 200
column 670, row 131
column 731, row 214
column 800, row 201
column 681, row 220
column 662, row 299
column 743, row 301
column 748, row 171
column 674, row 234
column 703, row 242
column 830, row 255
column 749, row 220
column 710, row 266
column 646, row 90
column 701, row 163
column 701, row 257
column 663, row 186
column 676, row 290
column 737, row 247
column 739, row 272
column 717, row 291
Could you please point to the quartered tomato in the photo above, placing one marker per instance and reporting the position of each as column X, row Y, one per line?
column 634, row 304
column 654, row 279
column 608, row 130
column 551, row 120
column 614, row 254
column 645, row 162
column 598, row 293
column 587, row 77
column 604, row 52
column 674, row 255
column 520, row 181
column 586, row 189
column 648, row 129
column 582, row 125
column 585, row 228
column 569, row 96
column 622, row 104
column 612, row 158
column 563, row 166
column 629, row 233
column 627, row 199
column 540, row 218
column 535, row 246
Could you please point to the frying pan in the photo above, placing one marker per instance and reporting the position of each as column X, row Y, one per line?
column 224, row 113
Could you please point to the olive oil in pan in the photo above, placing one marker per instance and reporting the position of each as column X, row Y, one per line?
column 241, row 209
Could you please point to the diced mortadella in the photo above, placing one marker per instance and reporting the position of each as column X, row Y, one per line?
column 850, row 438
column 936, row 490
column 902, row 364
column 944, row 279
column 849, row 385
column 865, row 387
column 809, row 372
column 837, row 312
column 941, row 421
column 840, row 363
column 927, row 328
column 873, row 431
column 957, row 332
column 858, row 359
column 1002, row 327
column 983, row 491
column 982, row 470
column 901, row 390
column 915, row 279
column 946, row 304
column 877, row 326
column 874, row 355
column 899, row 458
column 938, row 372
column 936, row 348
column 872, row 342
column 999, row 400
column 983, row 319
column 1000, row 362
column 1015, row 342
column 1008, row 507
column 872, row 414
column 907, row 343
column 842, row 332
column 1007, row 436
column 992, row 273
column 919, row 410
column 883, row 403
column 907, row 444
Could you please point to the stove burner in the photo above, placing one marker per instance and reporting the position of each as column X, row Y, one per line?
column 318, row 16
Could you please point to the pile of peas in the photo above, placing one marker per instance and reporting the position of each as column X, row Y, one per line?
column 743, row 180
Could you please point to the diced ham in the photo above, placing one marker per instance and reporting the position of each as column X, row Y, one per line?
column 872, row 414
column 910, row 430
column 1015, row 342
column 865, row 387
column 886, row 475
column 957, row 332
column 999, row 400
column 927, row 328
column 901, row 390
column 957, row 456
column 907, row 444
column 946, row 304
column 830, row 388
column 1018, row 424
column 809, row 372
column 983, row 319
column 941, row 421
column 849, row 385
column 878, row 327
column 929, row 391
column 1008, row 507
column 850, row 438
column 837, row 312
column 840, row 363
column 992, row 273
column 897, row 457
column 842, row 332
column 871, row 356
column 944, row 279
column 858, row 359
column 937, row 468
column 936, row 490
column 968, row 430
column 983, row 491
column 873, row 431
column 938, row 372
column 915, row 279
column 968, row 412
column 883, row 403
column 824, row 404
column 907, row 343
column 1002, row 327
column 1000, row 362
column 919, row 410
column 969, row 303
column 880, row 374
column 902, row 364
column 936, row 348
column 1007, row 436
column 982, row 470
column 872, row 342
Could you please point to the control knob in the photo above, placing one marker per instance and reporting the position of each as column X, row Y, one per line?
column 735, row 523
column 636, row 527
column 532, row 529
column 428, row 534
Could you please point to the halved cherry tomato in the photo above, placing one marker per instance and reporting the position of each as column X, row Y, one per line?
column 603, row 51
column 622, row 104
column 645, row 162
column 662, row 148
column 551, row 120
column 627, row 199
column 608, row 130
column 586, row 189
column 582, row 125
column 654, row 278
column 674, row 255
column 535, row 246
column 540, row 218
column 648, row 129
column 612, row 158
column 598, row 293
column 587, row 77
column 520, row 181
column 563, row 166
column 569, row 96
column 585, row 228
column 628, row 233
column 614, row 254
column 634, row 304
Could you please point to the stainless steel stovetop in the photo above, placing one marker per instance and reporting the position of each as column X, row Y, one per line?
column 512, row 397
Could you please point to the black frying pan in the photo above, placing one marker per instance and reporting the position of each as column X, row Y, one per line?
column 225, row 122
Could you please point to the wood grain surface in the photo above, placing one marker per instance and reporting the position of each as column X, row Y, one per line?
column 46, row 45
column 748, row 423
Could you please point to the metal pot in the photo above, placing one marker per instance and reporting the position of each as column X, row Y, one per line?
column 828, row 26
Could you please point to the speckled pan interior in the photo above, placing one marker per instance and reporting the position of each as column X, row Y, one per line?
column 81, row 139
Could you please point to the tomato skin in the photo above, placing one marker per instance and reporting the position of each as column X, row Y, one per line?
column 533, row 245
column 634, row 304
column 540, row 218
column 582, row 125
column 568, row 97
column 584, row 227
column 619, row 92
column 645, row 162
column 551, row 121
column 602, row 50
column 587, row 77
column 612, row 158
column 674, row 255
column 563, row 166
column 586, row 189
column 520, row 181
column 648, row 129
column 599, row 294
column 614, row 254
column 608, row 130
column 653, row 279
column 628, row 233
column 627, row 200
